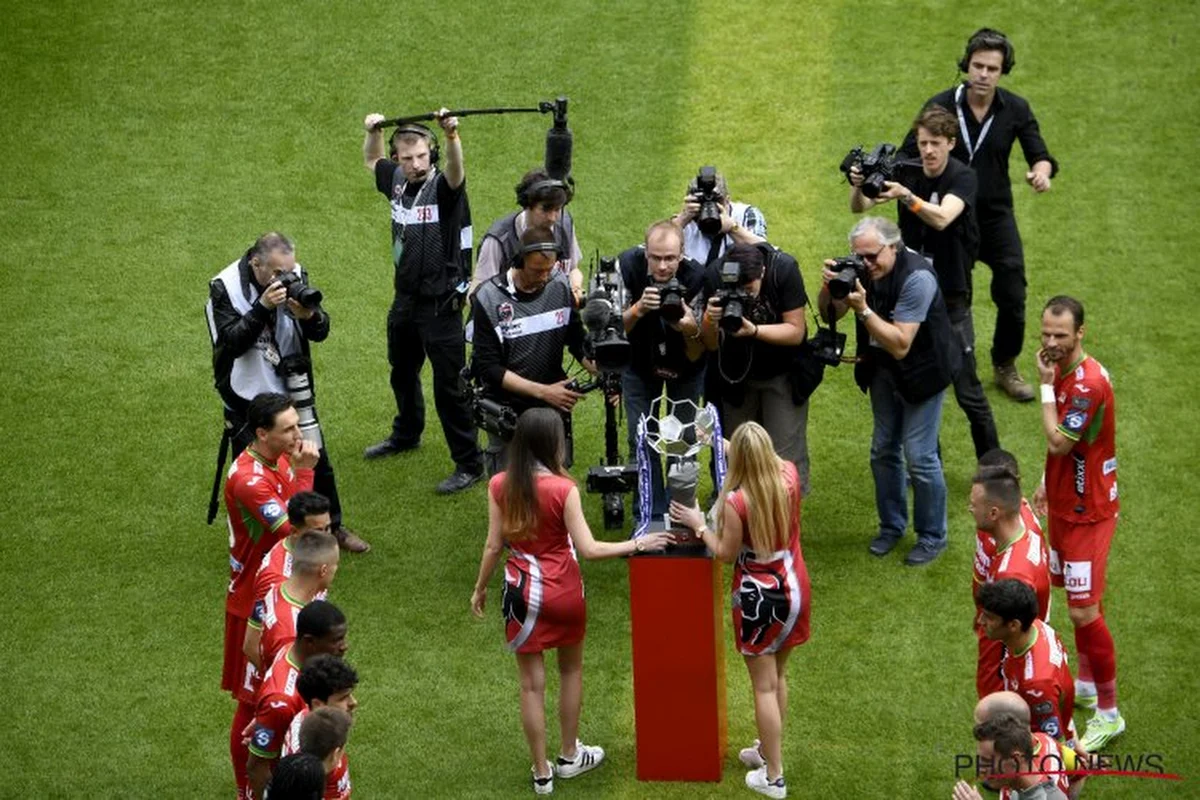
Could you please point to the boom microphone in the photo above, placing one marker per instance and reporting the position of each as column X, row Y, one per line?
column 558, row 143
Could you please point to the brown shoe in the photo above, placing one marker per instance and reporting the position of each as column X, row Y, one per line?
column 349, row 540
column 1012, row 384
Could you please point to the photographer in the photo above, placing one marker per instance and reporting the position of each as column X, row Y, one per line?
column 431, row 254
column 524, row 318
column 905, row 361
column 712, row 223
column 261, row 317
column 937, row 219
column 755, row 363
column 542, row 200
column 663, row 333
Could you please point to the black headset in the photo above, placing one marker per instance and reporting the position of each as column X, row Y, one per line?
column 989, row 39
column 416, row 129
column 518, row 261
column 525, row 194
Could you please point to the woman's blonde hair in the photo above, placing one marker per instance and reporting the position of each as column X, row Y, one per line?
column 754, row 469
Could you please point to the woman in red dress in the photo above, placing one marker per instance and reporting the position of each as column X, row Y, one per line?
column 758, row 530
column 535, row 512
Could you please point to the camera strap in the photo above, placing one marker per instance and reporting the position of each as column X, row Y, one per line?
column 972, row 148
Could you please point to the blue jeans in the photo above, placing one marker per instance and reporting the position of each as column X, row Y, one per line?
column 640, row 395
column 907, row 434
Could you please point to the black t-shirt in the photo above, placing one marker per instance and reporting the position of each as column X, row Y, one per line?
column 952, row 250
column 782, row 290
column 430, row 253
column 659, row 349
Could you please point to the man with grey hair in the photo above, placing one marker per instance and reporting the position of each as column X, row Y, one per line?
column 905, row 362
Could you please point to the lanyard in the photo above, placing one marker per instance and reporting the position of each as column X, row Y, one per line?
column 972, row 149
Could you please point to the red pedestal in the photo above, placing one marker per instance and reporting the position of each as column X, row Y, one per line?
column 678, row 667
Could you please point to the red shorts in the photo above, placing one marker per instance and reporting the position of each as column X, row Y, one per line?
column 1079, row 558
column 233, row 676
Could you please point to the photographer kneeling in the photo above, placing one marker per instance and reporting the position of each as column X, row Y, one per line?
column 524, row 317
column 754, row 320
column 261, row 316
column 905, row 361
column 664, row 336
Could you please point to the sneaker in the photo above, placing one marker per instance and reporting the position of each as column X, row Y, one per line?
column 752, row 756
column 1012, row 384
column 389, row 447
column 349, row 540
column 1085, row 701
column 458, row 481
column 756, row 779
column 922, row 554
column 1101, row 731
column 543, row 785
column 586, row 757
column 883, row 544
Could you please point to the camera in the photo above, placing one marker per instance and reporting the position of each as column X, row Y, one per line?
column 828, row 346
column 731, row 297
column 488, row 414
column 704, row 189
column 294, row 370
column 670, row 298
column 849, row 269
column 605, row 342
column 876, row 167
column 305, row 295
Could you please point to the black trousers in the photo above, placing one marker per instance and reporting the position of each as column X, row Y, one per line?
column 1000, row 248
column 968, row 391
column 418, row 327
column 323, row 481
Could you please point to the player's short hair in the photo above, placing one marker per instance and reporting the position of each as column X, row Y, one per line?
column 937, row 121
column 303, row 505
column 311, row 551
column 264, row 408
column 1009, row 599
column 318, row 619
column 1000, row 486
column 997, row 457
column 323, row 676
column 549, row 192
column 300, row 776
column 1060, row 302
column 324, row 730
column 886, row 231
column 1007, row 734
column 666, row 226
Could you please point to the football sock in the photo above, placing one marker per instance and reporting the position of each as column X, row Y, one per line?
column 238, row 752
column 1096, row 642
column 1084, row 673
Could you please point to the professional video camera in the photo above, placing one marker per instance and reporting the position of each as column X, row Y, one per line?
column 297, row 290
column 876, row 167
column 605, row 342
column 704, row 189
column 849, row 269
column 488, row 414
column 732, row 297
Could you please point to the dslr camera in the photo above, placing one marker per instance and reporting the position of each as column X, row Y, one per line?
column 704, row 189
column 732, row 297
column 297, row 290
column 876, row 167
column 849, row 269
column 670, row 299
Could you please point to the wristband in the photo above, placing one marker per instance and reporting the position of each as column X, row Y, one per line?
column 862, row 315
column 1048, row 394
column 915, row 204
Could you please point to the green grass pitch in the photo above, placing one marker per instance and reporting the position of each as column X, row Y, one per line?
column 146, row 144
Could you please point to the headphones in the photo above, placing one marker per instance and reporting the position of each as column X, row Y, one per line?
column 416, row 129
column 989, row 39
column 525, row 194
column 518, row 261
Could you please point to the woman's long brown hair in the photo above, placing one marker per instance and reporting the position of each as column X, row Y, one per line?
column 537, row 442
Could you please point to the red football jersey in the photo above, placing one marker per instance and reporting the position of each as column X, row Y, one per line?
column 1042, row 677
column 256, row 495
column 985, row 548
column 1081, row 486
column 337, row 782
column 276, row 568
column 278, row 703
column 278, row 622
column 1028, row 561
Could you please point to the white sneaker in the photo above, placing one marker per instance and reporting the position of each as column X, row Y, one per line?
column 756, row 779
column 543, row 785
column 586, row 757
column 752, row 756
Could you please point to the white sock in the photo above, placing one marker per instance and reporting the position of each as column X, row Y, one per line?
column 1085, row 688
column 1108, row 714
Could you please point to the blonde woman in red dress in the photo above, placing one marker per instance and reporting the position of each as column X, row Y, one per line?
column 535, row 513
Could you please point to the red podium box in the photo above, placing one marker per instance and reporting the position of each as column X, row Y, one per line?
column 678, row 666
